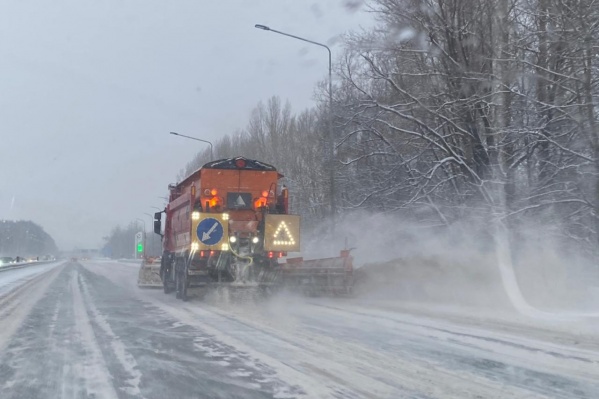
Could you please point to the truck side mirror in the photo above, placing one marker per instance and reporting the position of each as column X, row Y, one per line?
column 158, row 216
column 157, row 227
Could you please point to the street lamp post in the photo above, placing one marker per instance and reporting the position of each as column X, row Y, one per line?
column 331, row 141
column 197, row 139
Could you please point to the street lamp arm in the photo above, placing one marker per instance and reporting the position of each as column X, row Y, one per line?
column 263, row 27
column 303, row 39
column 197, row 139
column 193, row 138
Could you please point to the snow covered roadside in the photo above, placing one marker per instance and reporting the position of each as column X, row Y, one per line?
column 12, row 278
column 20, row 265
column 567, row 328
column 447, row 343
column 480, row 290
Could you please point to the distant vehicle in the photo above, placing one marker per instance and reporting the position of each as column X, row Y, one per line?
column 6, row 260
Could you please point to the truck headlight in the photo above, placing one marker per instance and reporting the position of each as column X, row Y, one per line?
column 233, row 239
column 255, row 240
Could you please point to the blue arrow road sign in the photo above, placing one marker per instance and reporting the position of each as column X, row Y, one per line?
column 210, row 231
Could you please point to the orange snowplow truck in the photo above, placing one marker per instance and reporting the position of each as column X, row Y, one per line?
column 226, row 223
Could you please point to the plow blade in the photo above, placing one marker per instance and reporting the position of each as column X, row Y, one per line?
column 329, row 276
column 149, row 274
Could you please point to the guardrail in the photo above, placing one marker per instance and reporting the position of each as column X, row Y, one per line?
column 21, row 265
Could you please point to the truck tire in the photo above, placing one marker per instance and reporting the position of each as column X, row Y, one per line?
column 165, row 274
column 166, row 285
column 181, row 279
column 177, row 283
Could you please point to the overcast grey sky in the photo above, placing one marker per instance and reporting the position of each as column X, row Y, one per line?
column 90, row 89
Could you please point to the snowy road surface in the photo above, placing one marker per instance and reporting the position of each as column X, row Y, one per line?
column 86, row 331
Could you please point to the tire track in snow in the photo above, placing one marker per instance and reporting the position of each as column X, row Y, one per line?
column 97, row 377
column 53, row 352
column 126, row 360
column 16, row 304
column 176, row 359
column 542, row 368
column 346, row 369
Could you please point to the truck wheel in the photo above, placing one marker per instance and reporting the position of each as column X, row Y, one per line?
column 166, row 266
column 166, row 284
column 183, row 293
column 178, row 286
column 184, row 284
column 181, row 280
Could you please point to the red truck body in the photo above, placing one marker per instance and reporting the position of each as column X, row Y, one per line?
column 227, row 222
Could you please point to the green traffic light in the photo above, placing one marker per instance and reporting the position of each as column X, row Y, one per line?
column 140, row 247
